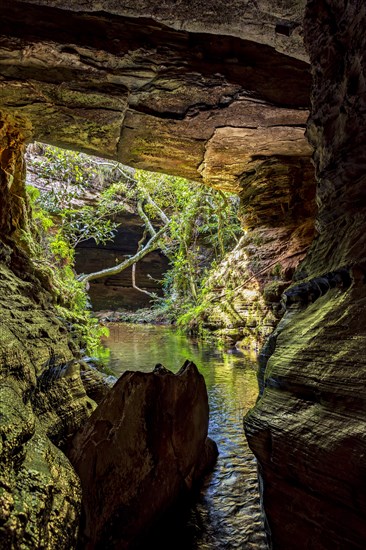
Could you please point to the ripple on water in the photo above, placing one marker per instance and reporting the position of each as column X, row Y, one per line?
column 227, row 514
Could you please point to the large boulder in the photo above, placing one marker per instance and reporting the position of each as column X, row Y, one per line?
column 140, row 452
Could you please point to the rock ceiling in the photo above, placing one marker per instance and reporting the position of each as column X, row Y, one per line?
column 182, row 87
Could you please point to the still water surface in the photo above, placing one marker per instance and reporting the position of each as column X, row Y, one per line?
column 227, row 515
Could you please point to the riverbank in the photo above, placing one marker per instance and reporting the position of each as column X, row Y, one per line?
column 228, row 338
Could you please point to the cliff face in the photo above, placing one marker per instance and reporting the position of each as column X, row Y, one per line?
column 122, row 84
column 277, row 209
column 308, row 428
column 218, row 95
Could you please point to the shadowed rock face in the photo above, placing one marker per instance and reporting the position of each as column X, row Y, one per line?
column 117, row 292
column 143, row 449
column 123, row 85
column 276, row 23
column 218, row 94
column 42, row 399
column 308, row 429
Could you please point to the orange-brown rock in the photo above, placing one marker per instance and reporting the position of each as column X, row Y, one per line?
column 308, row 428
column 164, row 92
column 42, row 398
column 221, row 100
column 141, row 451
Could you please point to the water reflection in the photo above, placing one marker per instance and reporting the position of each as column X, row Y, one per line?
column 227, row 515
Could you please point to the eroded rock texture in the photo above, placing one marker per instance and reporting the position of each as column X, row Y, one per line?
column 119, row 83
column 308, row 429
column 146, row 85
column 141, row 450
column 218, row 94
column 277, row 211
column 42, row 398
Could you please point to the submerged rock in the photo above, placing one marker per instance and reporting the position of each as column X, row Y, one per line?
column 140, row 452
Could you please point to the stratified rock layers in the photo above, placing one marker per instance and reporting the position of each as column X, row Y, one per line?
column 140, row 451
column 42, row 398
column 308, row 428
column 164, row 98
column 123, row 85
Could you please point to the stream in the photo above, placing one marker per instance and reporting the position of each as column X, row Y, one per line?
column 227, row 514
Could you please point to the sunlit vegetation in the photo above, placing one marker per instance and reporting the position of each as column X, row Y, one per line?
column 75, row 197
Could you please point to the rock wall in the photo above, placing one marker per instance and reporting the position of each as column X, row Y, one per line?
column 244, row 305
column 121, row 84
column 217, row 94
column 151, row 93
column 42, row 398
column 308, row 428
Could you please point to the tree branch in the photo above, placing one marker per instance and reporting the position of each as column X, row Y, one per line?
column 162, row 214
column 134, row 285
column 151, row 245
column 143, row 216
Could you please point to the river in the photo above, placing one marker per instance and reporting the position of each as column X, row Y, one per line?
column 227, row 514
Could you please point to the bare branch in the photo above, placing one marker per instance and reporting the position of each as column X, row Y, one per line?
column 117, row 166
column 151, row 245
column 162, row 214
column 134, row 285
column 143, row 216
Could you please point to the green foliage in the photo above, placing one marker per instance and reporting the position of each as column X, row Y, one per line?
column 203, row 227
column 272, row 291
column 67, row 176
column 276, row 270
column 68, row 167
column 54, row 258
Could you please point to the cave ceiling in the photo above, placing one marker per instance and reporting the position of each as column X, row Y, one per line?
column 205, row 90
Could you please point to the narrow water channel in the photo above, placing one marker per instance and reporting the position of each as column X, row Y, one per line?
column 227, row 514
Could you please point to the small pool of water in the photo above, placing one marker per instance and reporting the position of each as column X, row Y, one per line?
column 227, row 514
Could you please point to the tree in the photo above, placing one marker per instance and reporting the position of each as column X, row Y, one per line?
column 193, row 225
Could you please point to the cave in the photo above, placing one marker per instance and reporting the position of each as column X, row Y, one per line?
column 265, row 99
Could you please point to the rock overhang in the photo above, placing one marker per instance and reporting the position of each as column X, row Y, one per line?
column 160, row 88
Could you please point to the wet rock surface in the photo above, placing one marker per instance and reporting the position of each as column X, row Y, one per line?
column 219, row 96
column 42, row 399
column 143, row 449
column 166, row 98
column 308, row 428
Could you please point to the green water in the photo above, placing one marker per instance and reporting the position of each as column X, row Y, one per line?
column 227, row 514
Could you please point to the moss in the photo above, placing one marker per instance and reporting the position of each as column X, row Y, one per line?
column 272, row 291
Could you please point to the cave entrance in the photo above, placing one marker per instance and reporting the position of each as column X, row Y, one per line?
column 129, row 234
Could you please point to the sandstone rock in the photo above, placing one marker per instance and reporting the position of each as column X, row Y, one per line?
column 97, row 385
column 183, row 89
column 118, row 82
column 275, row 23
column 308, row 428
column 142, row 450
column 165, row 98
column 41, row 393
